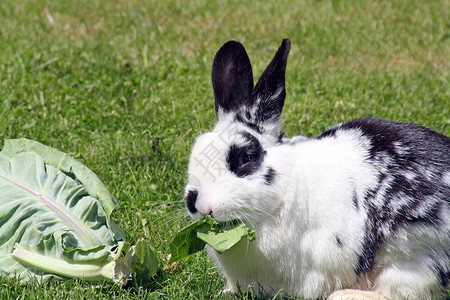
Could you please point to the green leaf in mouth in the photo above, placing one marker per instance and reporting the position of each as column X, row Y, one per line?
column 220, row 236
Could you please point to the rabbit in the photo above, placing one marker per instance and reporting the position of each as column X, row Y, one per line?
column 365, row 205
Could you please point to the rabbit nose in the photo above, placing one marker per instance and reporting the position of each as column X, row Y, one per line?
column 190, row 200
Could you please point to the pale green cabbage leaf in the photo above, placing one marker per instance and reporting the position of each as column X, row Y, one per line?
column 196, row 235
column 55, row 220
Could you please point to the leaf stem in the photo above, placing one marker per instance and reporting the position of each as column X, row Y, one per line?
column 63, row 268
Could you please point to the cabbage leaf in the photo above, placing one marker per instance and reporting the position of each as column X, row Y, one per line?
column 196, row 235
column 55, row 220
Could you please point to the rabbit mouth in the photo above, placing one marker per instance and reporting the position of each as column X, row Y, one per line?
column 231, row 222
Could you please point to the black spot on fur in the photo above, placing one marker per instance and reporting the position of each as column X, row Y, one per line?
column 444, row 278
column 427, row 144
column 269, row 176
column 245, row 159
column 404, row 193
column 355, row 200
column 373, row 239
column 443, row 273
column 251, row 125
column 338, row 241
column 328, row 133
column 190, row 200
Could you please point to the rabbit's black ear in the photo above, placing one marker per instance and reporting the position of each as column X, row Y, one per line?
column 232, row 77
column 269, row 93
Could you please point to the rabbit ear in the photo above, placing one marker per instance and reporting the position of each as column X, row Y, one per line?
column 269, row 93
column 232, row 77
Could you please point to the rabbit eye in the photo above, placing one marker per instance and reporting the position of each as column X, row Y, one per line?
column 245, row 160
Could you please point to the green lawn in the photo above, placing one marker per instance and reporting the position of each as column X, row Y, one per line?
column 124, row 86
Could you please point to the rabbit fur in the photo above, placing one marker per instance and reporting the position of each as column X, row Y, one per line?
column 364, row 205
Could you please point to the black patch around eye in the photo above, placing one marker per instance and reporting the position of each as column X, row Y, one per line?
column 245, row 159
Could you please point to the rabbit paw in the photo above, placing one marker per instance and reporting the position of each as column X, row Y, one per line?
column 355, row 295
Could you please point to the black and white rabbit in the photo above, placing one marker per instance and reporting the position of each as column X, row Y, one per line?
column 365, row 205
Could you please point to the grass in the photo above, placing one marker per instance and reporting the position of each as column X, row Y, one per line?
column 124, row 86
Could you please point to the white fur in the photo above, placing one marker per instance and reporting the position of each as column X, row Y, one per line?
column 299, row 216
column 446, row 178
